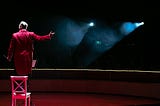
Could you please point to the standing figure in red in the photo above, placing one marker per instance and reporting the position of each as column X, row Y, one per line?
column 21, row 48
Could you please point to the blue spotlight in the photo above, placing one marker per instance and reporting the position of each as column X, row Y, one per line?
column 98, row 42
column 139, row 24
column 91, row 24
column 127, row 28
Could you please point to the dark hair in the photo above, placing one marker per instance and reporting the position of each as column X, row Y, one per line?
column 23, row 26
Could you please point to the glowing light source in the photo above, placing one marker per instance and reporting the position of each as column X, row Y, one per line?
column 129, row 27
column 139, row 24
column 98, row 42
column 91, row 24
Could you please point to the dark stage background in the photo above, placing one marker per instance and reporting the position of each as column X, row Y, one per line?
column 70, row 48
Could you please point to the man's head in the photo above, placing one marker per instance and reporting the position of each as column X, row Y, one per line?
column 23, row 25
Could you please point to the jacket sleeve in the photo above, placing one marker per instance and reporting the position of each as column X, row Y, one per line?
column 11, row 48
column 40, row 38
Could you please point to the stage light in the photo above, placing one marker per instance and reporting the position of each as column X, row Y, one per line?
column 98, row 42
column 139, row 24
column 127, row 27
column 91, row 24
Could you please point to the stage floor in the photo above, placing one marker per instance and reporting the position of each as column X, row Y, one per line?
column 81, row 99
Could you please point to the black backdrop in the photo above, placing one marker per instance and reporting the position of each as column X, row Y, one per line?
column 39, row 13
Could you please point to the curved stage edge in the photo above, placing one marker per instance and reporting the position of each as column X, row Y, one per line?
column 117, row 82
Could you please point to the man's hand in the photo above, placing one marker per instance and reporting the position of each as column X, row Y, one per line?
column 51, row 33
column 9, row 59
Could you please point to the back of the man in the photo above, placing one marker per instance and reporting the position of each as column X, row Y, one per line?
column 23, row 52
column 21, row 48
column 23, row 40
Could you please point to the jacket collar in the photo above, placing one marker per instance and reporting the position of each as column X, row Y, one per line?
column 22, row 30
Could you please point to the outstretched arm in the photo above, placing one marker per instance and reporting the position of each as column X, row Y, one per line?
column 42, row 38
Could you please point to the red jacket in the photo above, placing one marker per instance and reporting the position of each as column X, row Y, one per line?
column 21, row 47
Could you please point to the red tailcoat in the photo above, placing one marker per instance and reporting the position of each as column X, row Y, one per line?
column 21, row 48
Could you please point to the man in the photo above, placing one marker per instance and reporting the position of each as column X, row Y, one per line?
column 21, row 48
